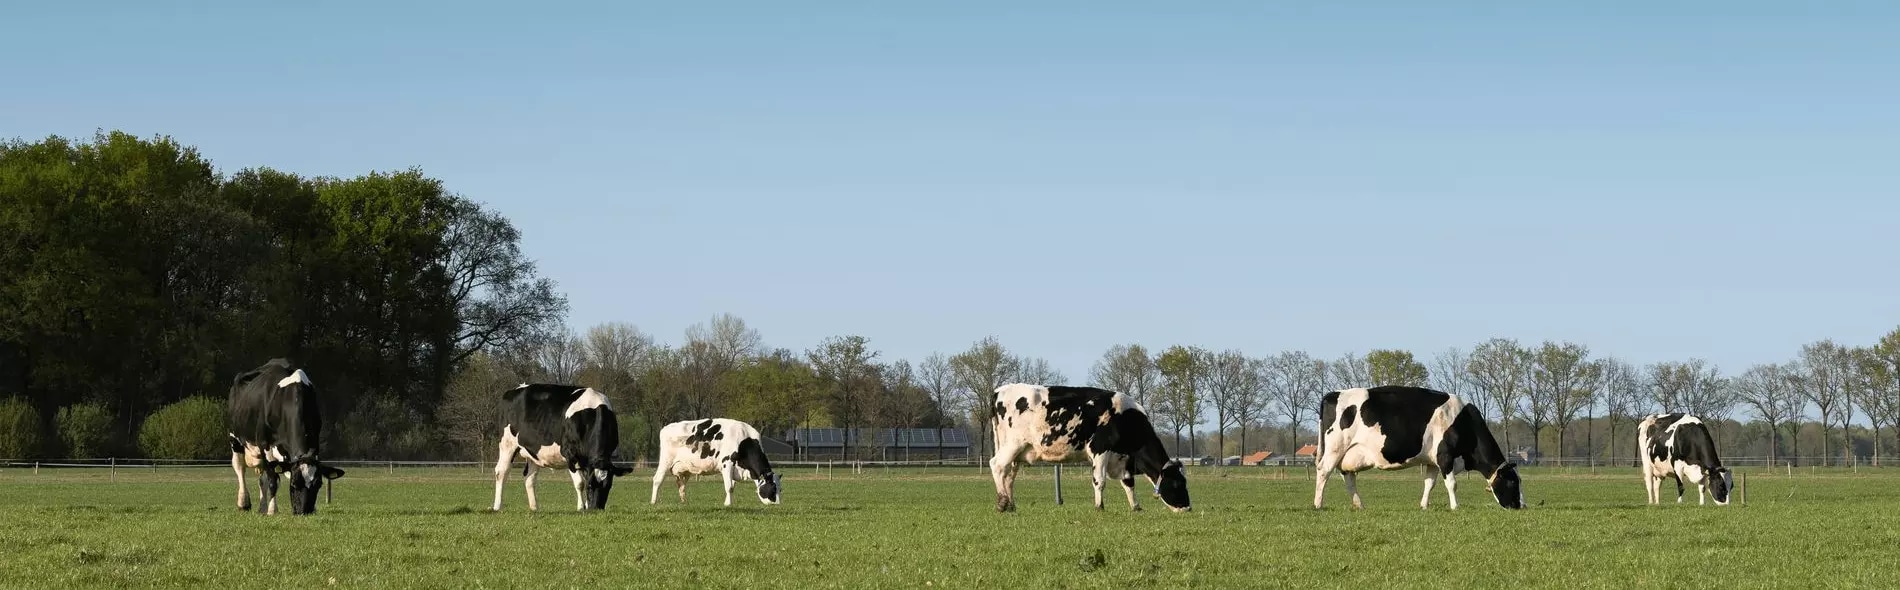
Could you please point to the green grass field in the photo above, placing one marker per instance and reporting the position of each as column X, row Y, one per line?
column 431, row 528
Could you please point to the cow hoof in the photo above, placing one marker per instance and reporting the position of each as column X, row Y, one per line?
column 1134, row 508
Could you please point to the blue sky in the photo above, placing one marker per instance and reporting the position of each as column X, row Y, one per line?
column 1706, row 179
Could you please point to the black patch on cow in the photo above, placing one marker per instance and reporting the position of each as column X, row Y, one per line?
column 1022, row 405
column 1402, row 414
column 1345, row 418
column 1659, row 438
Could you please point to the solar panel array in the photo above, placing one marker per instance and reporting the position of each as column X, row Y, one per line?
column 883, row 437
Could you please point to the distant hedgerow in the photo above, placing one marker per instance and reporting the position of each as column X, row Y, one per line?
column 193, row 428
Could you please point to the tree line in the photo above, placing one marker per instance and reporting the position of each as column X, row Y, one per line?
column 139, row 280
column 138, row 276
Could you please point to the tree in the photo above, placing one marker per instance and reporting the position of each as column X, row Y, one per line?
column 1448, row 375
column 85, row 429
column 19, row 429
column 1707, row 395
column 1233, row 385
column 1499, row 369
column 1350, row 371
column 1562, row 382
column 1395, row 367
column 939, row 381
column 497, row 297
column 560, row 359
column 1822, row 378
column 1184, row 381
column 614, row 354
column 727, row 338
column 845, row 362
column 1036, row 370
column 980, row 370
column 1620, row 386
column 1296, row 381
column 193, row 428
column 1869, row 386
column 1259, row 403
column 1769, row 392
column 1126, row 369
column 1884, row 372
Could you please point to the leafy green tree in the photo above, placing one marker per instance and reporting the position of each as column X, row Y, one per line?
column 1184, row 381
column 19, row 429
column 1395, row 367
column 192, row 428
column 85, row 429
column 1563, row 381
column 1126, row 369
column 1500, row 369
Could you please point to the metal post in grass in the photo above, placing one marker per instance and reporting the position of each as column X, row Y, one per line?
column 1058, row 485
column 1744, row 487
column 115, row 469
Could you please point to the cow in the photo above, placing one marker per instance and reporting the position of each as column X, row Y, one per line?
column 554, row 426
column 1678, row 445
column 714, row 445
column 1052, row 422
column 1398, row 427
column 275, row 422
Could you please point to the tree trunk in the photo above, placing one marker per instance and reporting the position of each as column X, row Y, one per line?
column 1560, row 440
column 1609, row 446
column 1774, row 443
column 1794, row 441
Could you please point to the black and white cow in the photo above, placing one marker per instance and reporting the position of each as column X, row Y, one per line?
column 275, row 422
column 556, row 426
column 1051, row 423
column 1396, row 427
column 1678, row 445
column 715, row 445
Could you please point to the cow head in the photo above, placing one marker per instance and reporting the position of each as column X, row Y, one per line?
column 597, row 481
column 1506, row 486
column 768, row 488
column 1721, row 481
column 306, row 479
column 1171, row 485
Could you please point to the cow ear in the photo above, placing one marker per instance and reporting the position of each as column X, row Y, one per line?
column 329, row 472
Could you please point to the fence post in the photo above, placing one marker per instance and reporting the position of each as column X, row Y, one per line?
column 392, row 468
column 1744, row 488
column 1058, row 485
column 36, row 468
column 115, row 469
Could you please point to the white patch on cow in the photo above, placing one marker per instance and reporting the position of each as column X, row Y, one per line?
column 588, row 400
column 275, row 453
column 296, row 377
column 548, row 456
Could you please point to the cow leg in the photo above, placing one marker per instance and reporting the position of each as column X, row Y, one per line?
column 1701, row 487
column 1678, row 488
column 1003, row 471
column 501, row 470
column 1324, row 468
column 1098, row 477
column 1451, row 488
column 580, row 497
column 267, row 484
column 659, row 472
column 1431, row 475
column 680, row 478
column 527, row 482
column 243, row 495
column 725, row 477
column 1649, row 485
column 1128, row 485
column 1352, row 487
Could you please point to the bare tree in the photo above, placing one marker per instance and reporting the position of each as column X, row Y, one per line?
column 727, row 339
column 1351, row 370
column 980, row 370
column 615, row 353
column 561, row 359
column 1708, row 395
column 939, row 380
column 1669, row 381
column 1296, row 381
column 1563, row 381
column 1448, row 375
column 1127, row 369
column 1822, row 378
column 1232, row 386
column 1769, row 393
column 1258, row 403
column 1621, row 388
column 1499, row 369
column 1036, row 370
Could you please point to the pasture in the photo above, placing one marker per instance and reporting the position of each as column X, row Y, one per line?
column 937, row 528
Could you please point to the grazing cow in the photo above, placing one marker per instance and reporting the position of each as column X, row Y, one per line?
column 1678, row 445
column 274, row 421
column 557, row 426
column 729, row 447
column 1396, row 427
column 1050, row 423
